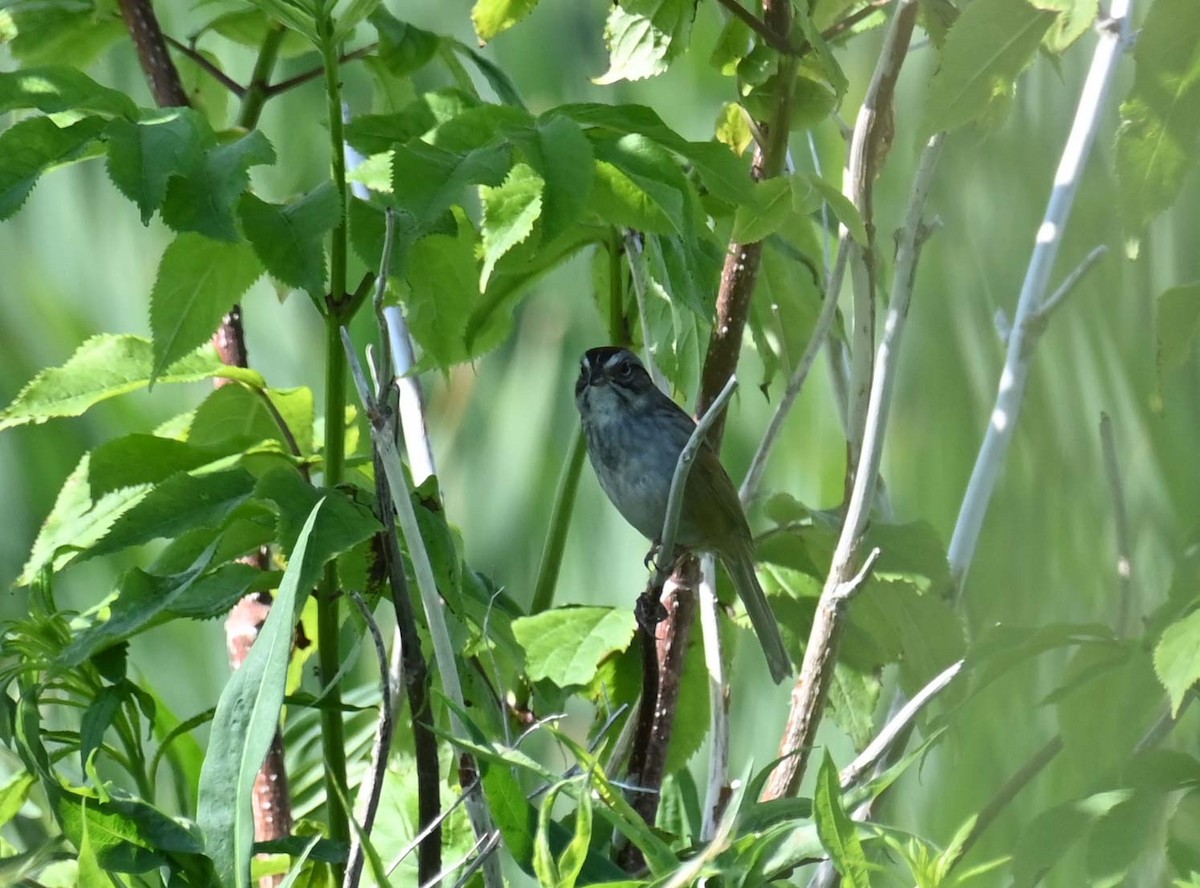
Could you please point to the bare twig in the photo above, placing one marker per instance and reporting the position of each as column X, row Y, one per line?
column 897, row 725
column 869, row 144
column 1121, row 517
column 1010, row 394
column 683, row 467
column 372, row 787
column 292, row 82
column 775, row 40
column 383, row 436
column 201, row 61
column 811, row 690
column 717, row 791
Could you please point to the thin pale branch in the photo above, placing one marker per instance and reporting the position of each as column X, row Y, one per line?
column 897, row 725
column 717, row 792
column 383, row 437
column 811, row 691
column 641, row 286
column 1010, row 395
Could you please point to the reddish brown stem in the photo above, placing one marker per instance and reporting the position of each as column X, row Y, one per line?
column 147, row 36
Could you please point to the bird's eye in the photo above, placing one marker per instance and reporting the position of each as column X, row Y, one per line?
column 625, row 370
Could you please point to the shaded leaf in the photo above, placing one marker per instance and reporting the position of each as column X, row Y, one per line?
column 30, row 147
column 288, row 238
column 838, row 833
column 55, row 88
column 199, row 280
column 204, row 198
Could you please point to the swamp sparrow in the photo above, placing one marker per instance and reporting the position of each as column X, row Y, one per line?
column 634, row 435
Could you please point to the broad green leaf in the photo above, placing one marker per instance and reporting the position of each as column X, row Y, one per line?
column 143, row 156
column 1052, row 833
column 215, row 592
column 1177, row 658
column 374, row 134
column 619, row 200
column 514, row 816
column 210, row 498
column 500, row 82
column 774, row 206
column 141, row 600
column 492, row 17
column 1160, row 118
column 235, row 418
column 843, row 209
column 199, row 280
column 557, row 148
column 30, row 147
column 441, row 287
column 721, row 171
column 853, row 696
column 133, row 460
column 48, row 33
column 58, row 88
column 1118, row 839
column 919, row 631
column 106, row 366
column 427, row 180
column 343, row 523
column 566, row 644
column 1075, row 18
column 245, row 722
column 732, row 46
column 90, row 873
column 288, row 238
column 1108, row 691
column 509, row 213
column 13, row 795
column 204, row 198
column 249, row 27
column 644, row 36
column 403, row 47
column 75, row 522
column 837, row 831
column 1177, row 322
column 986, row 48
column 733, row 128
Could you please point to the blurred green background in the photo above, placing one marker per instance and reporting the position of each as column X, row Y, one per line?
column 76, row 261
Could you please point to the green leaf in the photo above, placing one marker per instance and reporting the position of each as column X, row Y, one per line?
column 692, row 718
column 58, row 88
column 89, row 873
column 134, row 460
column 644, row 36
column 439, row 291
column 1177, row 322
column 427, row 180
column 245, row 722
column 841, row 206
column 48, row 33
column 30, row 147
column 509, row 213
column 557, row 148
column 96, row 720
column 210, row 498
column 205, row 197
column 492, row 17
column 199, row 280
column 106, row 366
column 619, row 200
column 986, row 48
column 573, row 858
column 774, row 206
column 143, row 156
column 13, row 795
column 1160, row 118
column 1076, row 18
column 295, row 14
column 838, row 833
column 566, row 644
column 403, row 47
column 544, row 865
column 288, row 238
column 1051, row 834
column 1177, row 658
column 343, row 522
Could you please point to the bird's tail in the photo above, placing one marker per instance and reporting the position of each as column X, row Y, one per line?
column 762, row 618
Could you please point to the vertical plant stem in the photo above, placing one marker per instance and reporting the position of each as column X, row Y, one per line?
column 560, row 523
column 258, row 89
column 328, row 597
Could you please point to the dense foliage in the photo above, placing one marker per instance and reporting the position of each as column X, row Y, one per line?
column 442, row 187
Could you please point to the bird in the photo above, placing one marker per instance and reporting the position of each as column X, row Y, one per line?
column 634, row 435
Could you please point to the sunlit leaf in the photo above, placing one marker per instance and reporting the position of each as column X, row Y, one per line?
column 566, row 644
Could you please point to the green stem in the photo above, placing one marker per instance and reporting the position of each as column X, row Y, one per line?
column 616, row 290
column 258, row 90
column 560, row 521
column 328, row 594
